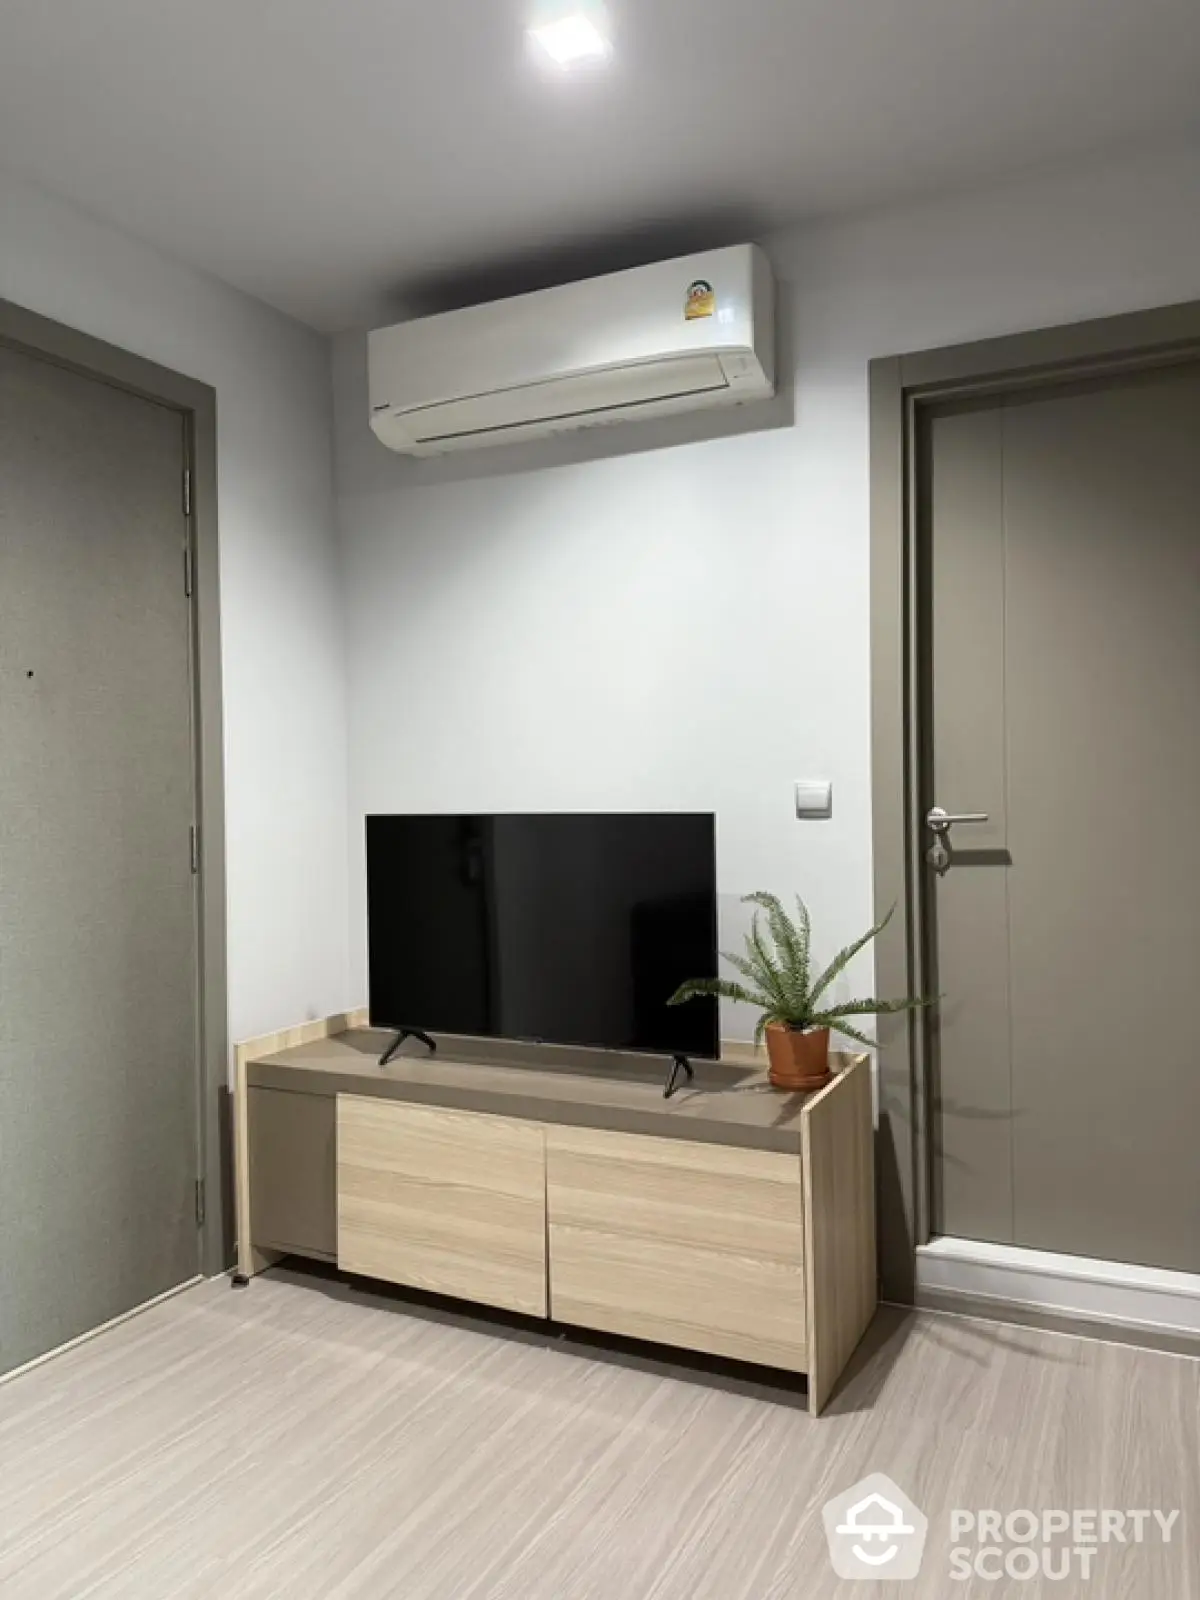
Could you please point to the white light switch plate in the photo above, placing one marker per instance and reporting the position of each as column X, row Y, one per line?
column 814, row 797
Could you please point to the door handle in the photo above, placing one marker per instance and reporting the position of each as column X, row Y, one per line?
column 942, row 821
column 939, row 822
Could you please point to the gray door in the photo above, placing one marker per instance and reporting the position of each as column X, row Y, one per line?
column 1063, row 689
column 98, row 1079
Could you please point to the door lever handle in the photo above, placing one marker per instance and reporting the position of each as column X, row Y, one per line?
column 941, row 821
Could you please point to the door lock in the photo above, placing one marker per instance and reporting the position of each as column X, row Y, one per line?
column 939, row 822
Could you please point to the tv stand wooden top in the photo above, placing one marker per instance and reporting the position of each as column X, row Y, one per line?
column 728, row 1104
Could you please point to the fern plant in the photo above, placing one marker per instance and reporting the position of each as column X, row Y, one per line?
column 777, row 975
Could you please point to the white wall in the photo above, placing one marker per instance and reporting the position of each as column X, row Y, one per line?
column 282, row 638
column 686, row 624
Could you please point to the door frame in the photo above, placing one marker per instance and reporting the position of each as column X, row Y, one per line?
column 196, row 403
column 900, row 388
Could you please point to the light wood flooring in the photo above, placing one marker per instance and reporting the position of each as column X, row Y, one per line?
column 300, row 1440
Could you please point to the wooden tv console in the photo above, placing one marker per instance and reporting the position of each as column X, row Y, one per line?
column 731, row 1219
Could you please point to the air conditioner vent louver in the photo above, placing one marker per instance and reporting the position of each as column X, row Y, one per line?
column 672, row 337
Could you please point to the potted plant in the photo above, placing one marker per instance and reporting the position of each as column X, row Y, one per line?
column 796, row 1018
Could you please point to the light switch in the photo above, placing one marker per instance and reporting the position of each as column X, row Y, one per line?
column 814, row 797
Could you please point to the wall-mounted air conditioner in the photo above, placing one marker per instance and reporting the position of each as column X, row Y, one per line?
column 676, row 336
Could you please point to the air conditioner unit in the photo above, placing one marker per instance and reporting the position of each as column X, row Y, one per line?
column 676, row 336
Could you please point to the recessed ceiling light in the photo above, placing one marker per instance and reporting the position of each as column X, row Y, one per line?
column 572, row 40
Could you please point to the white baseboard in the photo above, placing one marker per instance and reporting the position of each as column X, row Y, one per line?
column 1067, row 1286
column 94, row 1333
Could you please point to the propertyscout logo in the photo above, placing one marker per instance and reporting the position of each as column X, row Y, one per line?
column 1045, row 1546
column 875, row 1531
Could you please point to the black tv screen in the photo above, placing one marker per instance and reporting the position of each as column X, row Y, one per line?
column 569, row 929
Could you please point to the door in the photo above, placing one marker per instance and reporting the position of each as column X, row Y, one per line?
column 1061, row 531
column 98, row 964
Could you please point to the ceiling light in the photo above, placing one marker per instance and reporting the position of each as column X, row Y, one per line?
column 572, row 40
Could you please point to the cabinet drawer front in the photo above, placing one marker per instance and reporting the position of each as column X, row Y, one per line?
column 747, row 1202
column 744, row 1307
column 444, row 1201
column 695, row 1245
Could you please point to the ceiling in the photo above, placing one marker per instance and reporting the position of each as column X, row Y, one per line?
column 344, row 158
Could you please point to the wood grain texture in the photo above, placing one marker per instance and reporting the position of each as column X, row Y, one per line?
column 694, row 1245
column 706, row 1196
column 445, row 1201
column 249, row 1259
column 838, row 1165
column 744, row 1307
column 311, row 1441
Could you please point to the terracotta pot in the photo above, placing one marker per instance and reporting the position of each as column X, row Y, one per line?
column 799, row 1057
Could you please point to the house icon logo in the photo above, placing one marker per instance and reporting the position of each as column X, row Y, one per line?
column 875, row 1531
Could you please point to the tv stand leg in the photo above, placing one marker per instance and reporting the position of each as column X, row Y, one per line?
column 406, row 1033
column 679, row 1064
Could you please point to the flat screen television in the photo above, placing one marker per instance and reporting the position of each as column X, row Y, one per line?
column 570, row 929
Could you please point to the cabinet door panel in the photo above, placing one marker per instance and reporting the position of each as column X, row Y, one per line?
column 446, row 1201
column 292, row 1180
column 714, row 1196
column 688, row 1244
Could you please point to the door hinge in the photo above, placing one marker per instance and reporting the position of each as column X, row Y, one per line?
column 188, row 570
column 199, row 1202
column 187, row 491
column 194, row 846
